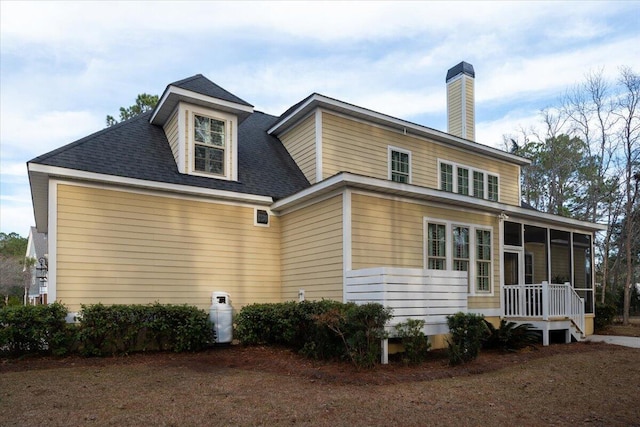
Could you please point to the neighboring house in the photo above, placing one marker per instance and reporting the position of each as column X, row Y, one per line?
column 37, row 255
column 327, row 200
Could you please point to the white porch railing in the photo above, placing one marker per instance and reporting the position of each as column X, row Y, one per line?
column 430, row 295
column 544, row 301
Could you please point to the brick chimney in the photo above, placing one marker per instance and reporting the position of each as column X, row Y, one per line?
column 461, row 119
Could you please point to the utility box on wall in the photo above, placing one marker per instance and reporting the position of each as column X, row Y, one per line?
column 221, row 314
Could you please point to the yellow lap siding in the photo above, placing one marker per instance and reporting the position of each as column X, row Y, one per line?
column 125, row 248
column 312, row 251
column 454, row 107
column 390, row 233
column 171, row 132
column 470, row 111
column 354, row 146
column 300, row 143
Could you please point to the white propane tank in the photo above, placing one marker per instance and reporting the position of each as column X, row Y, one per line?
column 221, row 314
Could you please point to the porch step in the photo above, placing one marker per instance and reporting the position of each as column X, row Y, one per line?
column 576, row 333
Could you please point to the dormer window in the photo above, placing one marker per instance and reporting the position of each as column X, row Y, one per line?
column 200, row 121
column 209, row 145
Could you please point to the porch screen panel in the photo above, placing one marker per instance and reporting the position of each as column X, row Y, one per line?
column 560, row 257
column 535, row 245
column 582, row 269
column 512, row 234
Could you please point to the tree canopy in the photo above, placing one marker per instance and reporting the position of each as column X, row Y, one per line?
column 13, row 276
column 13, row 244
column 144, row 103
column 586, row 165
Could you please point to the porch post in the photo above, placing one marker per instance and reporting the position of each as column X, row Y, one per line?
column 385, row 352
column 545, row 300
column 567, row 300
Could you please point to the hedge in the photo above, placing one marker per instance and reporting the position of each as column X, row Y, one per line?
column 104, row 330
column 34, row 329
column 320, row 329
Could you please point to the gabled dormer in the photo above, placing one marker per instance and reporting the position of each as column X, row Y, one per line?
column 200, row 120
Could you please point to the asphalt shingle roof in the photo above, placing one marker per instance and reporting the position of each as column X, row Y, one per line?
column 202, row 85
column 137, row 149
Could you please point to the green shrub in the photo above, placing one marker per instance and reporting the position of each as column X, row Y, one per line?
column 290, row 324
column 319, row 329
column 360, row 328
column 415, row 343
column 510, row 336
column 266, row 323
column 123, row 329
column 34, row 329
column 605, row 314
column 467, row 331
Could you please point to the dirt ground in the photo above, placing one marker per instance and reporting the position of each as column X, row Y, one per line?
column 563, row 384
column 617, row 328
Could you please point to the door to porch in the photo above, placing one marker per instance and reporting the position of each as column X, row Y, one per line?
column 512, row 263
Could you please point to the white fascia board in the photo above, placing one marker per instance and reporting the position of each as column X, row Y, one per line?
column 54, row 171
column 184, row 93
column 399, row 124
column 346, row 179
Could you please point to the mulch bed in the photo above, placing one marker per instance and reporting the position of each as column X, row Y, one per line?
column 285, row 362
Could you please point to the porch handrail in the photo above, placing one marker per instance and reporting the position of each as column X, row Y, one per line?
column 543, row 301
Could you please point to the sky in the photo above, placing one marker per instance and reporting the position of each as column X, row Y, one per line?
column 64, row 66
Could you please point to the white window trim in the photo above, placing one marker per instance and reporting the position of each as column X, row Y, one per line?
column 474, row 290
column 472, row 251
column 390, row 149
column 471, row 170
column 231, row 138
column 448, row 262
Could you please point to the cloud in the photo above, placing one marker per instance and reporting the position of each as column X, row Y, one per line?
column 12, row 169
column 32, row 135
column 491, row 132
column 546, row 74
column 65, row 65
column 16, row 217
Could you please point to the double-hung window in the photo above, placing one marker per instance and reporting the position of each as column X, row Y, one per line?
column 467, row 181
column 209, row 145
column 492, row 187
column 483, row 260
column 446, row 177
column 478, row 184
column 436, row 246
column 399, row 165
column 463, row 181
column 461, row 248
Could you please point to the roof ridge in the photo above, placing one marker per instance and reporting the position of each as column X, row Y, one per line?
column 186, row 79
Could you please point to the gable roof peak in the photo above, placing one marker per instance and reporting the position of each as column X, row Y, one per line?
column 202, row 85
column 198, row 90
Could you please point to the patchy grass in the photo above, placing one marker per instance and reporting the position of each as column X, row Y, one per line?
column 570, row 384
